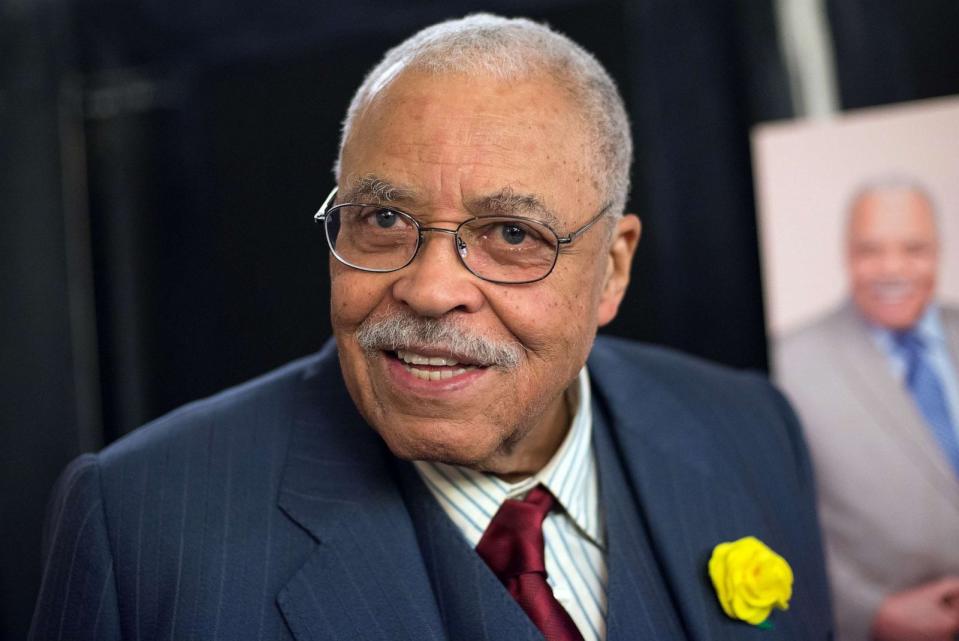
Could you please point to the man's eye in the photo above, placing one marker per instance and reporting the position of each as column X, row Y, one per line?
column 383, row 218
column 512, row 234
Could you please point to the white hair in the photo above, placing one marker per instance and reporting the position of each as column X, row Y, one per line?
column 891, row 182
column 508, row 49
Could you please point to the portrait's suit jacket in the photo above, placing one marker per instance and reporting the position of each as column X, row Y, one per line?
column 888, row 499
column 272, row 511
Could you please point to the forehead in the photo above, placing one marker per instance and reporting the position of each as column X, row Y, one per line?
column 471, row 134
column 893, row 213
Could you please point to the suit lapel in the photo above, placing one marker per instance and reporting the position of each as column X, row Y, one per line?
column 686, row 507
column 638, row 603
column 365, row 578
column 889, row 402
column 473, row 603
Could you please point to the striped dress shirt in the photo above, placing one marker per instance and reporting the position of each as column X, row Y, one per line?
column 574, row 532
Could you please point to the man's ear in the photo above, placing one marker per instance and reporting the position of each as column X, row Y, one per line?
column 619, row 260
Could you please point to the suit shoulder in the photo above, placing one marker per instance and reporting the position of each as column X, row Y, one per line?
column 77, row 485
column 817, row 328
column 630, row 373
column 808, row 342
column 950, row 315
column 725, row 396
column 668, row 365
column 262, row 404
column 738, row 406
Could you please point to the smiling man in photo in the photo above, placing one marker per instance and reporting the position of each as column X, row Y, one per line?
column 465, row 460
column 875, row 383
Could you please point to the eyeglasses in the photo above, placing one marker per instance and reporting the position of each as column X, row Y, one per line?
column 509, row 250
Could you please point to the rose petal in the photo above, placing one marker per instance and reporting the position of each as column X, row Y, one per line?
column 750, row 579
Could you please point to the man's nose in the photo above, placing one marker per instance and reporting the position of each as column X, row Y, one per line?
column 893, row 262
column 437, row 282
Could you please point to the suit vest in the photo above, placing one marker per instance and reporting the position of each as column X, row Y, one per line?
column 474, row 605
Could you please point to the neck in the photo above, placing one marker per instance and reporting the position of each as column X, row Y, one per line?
column 520, row 459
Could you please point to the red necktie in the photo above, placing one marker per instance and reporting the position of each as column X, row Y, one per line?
column 512, row 547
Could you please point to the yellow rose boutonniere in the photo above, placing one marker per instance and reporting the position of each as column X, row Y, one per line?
column 750, row 580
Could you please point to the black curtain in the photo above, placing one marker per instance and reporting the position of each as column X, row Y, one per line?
column 700, row 75
column 891, row 51
column 46, row 380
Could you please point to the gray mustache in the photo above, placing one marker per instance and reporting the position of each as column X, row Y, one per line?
column 407, row 331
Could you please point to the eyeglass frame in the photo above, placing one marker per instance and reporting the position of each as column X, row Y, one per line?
column 321, row 217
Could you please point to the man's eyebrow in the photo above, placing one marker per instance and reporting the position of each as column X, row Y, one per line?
column 507, row 202
column 373, row 189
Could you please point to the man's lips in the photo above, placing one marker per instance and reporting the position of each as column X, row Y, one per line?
column 892, row 293
column 433, row 364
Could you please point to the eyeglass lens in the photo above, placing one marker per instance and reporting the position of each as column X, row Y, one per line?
column 502, row 249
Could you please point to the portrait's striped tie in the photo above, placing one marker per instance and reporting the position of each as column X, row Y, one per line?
column 929, row 395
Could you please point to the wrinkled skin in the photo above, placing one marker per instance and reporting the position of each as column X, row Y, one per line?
column 449, row 141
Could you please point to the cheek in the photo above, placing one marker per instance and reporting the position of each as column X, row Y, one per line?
column 556, row 318
column 926, row 269
column 862, row 271
column 353, row 296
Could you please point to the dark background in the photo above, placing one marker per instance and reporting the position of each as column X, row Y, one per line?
column 160, row 162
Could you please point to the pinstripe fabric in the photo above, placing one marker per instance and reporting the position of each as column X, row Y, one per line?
column 272, row 511
column 85, row 590
column 171, row 531
column 640, row 606
column 473, row 603
column 710, row 456
column 365, row 579
column 574, row 536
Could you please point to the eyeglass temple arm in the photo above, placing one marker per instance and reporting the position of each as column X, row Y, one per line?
column 585, row 228
column 320, row 214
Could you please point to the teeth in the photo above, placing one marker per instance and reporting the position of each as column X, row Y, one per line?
column 436, row 375
column 418, row 359
column 892, row 292
column 410, row 359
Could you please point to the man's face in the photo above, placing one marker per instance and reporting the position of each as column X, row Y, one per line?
column 892, row 254
column 456, row 147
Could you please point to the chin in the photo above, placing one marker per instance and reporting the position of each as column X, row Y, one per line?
column 441, row 441
column 898, row 320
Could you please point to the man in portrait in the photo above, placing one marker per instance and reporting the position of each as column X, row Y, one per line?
column 464, row 460
column 875, row 383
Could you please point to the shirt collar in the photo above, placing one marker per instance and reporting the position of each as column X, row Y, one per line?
column 929, row 326
column 928, row 329
column 471, row 498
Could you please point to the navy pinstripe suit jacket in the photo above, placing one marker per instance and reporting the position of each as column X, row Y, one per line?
column 271, row 511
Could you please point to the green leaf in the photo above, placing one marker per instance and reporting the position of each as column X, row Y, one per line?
column 765, row 625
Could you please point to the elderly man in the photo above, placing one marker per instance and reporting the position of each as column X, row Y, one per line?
column 875, row 383
column 448, row 468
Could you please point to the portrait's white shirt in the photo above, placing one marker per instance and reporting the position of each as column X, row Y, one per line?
column 930, row 331
column 574, row 532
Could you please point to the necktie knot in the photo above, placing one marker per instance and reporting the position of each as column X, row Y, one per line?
column 909, row 341
column 512, row 547
column 913, row 349
column 513, row 542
